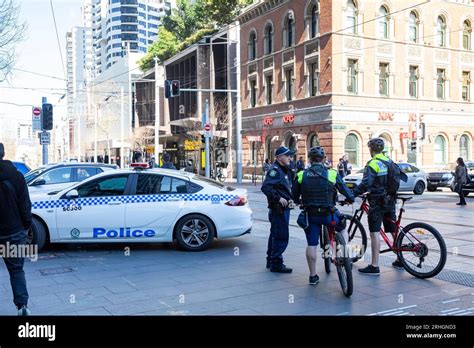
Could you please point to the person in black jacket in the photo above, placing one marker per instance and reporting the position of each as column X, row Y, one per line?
column 167, row 164
column 15, row 221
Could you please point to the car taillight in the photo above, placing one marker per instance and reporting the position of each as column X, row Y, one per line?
column 237, row 201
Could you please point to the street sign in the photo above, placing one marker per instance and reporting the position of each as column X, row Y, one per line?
column 36, row 114
column 45, row 138
column 207, row 127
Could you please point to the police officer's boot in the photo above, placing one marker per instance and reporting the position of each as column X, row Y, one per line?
column 280, row 269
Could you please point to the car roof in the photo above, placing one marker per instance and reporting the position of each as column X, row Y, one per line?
column 82, row 164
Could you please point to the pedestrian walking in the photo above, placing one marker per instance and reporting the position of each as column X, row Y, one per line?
column 461, row 178
column 15, row 221
column 341, row 167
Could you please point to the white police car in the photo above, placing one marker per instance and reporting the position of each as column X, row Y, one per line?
column 142, row 205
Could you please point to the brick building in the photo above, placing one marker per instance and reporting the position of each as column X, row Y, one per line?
column 336, row 73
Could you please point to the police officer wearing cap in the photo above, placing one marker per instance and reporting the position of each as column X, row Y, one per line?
column 167, row 162
column 277, row 188
column 317, row 186
column 382, row 206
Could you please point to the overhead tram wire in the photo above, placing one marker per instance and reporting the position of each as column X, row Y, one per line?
column 57, row 37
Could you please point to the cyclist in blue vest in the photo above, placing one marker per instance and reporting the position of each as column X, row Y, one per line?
column 317, row 186
column 381, row 204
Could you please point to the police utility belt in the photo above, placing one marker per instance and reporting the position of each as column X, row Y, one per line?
column 311, row 210
column 380, row 199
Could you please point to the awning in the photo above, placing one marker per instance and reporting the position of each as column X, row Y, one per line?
column 189, row 122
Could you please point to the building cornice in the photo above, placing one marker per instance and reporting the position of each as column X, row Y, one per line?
column 259, row 8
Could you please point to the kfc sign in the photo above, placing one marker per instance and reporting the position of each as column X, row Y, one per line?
column 267, row 121
column 385, row 116
column 290, row 118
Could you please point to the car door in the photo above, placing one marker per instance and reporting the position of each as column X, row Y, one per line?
column 98, row 213
column 52, row 180
column 157, row 201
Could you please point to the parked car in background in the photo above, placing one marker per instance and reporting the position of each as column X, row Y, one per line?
column 56, row 177
column 441, row 178
column 416, row 179
column 21, row 167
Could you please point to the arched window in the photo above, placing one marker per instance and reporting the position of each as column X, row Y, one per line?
column 351, row 148
column 291, row 142
column 313, row 141
column 269, row 38
column 351, row 17
column 441, row 31
column 466, row 35
column 440, row 150
column 289, row 30
column 465, row 147
column 314, row 29
column 252, row 46
column 413, row 27
column 383, row 22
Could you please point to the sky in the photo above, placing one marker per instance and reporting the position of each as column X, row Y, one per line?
column 39, row 52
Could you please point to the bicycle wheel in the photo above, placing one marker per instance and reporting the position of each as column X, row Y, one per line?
column 343, row 266
column 357, row 238
column 327, row 250
column 423, row 250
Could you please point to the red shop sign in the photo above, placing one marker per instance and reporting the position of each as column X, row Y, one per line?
column 404, row 135
column 267, row 121
column 288, row 118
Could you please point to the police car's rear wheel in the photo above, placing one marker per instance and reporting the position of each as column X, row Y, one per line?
column 195, row 232
column 37, row 234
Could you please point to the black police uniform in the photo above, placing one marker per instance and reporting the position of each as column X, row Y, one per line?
column 317, row 186
column 382, row 205
column 275, row 186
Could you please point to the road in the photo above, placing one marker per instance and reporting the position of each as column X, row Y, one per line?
column 231, row 278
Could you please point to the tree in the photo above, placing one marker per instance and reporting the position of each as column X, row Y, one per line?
column 222, row 12
column 11, row 32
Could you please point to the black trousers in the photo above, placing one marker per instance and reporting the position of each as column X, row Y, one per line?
column 462, row 200
column 15, row 268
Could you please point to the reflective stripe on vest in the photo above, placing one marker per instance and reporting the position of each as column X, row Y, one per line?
column 300, row 177
column 379, row 167
column 332, row 175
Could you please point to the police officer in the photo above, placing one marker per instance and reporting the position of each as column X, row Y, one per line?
column 276, row 187
column 317, row 186
column 167, row 162
column 381, row 204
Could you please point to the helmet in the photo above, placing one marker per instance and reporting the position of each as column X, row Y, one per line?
column 317, row 152
column 166, row 157
column 376, row 144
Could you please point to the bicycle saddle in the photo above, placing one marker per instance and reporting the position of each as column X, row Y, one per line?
column 404, row 198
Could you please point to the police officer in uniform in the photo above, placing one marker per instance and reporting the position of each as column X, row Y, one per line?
column 381, row 204
column 317, row 186
column 277, row 188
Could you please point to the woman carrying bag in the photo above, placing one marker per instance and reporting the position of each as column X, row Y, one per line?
column 460, row 179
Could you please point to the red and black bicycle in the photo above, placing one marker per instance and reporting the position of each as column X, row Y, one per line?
column 419, row 246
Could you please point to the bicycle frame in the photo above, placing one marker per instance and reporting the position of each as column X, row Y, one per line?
column 364, row 208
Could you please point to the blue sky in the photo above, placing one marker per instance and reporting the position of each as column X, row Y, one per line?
column 39, row 53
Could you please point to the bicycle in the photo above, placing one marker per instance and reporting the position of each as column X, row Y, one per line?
column 218, row 174
column 335, row 251
column 408, row 243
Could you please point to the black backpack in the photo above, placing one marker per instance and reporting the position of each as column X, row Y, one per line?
column 394, row 176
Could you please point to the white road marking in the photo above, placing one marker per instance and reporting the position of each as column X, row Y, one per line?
column 449, row 310
column 449, row 301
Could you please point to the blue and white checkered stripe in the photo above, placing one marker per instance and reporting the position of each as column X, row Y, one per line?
column 131, row 199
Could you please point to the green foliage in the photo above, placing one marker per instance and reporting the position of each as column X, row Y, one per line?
column 186, row 24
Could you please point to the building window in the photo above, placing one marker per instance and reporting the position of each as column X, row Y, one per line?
column 440, row 150
column 441, row 32
column 352, row 76
column 351, row 17
column 383, row 79
column 466, row 35
column 268, row 88
column 466, row 80
column 252, row 46
column 289, row 84
column 351, row 148
column 253, row 93
column 289, row 30
column 413, row 87
column 313, row 141
column 440, row 83
column 314, row 21
column 314, row 79
column 268, row 39
column 383, row 23
column 413, row 27
column 465, row 147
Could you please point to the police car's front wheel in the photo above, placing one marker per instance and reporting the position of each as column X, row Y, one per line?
column 195, row 232
column 37, row 234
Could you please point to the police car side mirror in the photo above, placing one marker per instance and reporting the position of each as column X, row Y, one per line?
column 39, row 182
column 72, row 194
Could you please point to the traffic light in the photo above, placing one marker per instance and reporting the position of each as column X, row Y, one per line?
column 413, row 145
column 47, row 117
column 422, row 131
column 172, row 88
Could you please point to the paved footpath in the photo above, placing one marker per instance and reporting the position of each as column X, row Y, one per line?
column 231, row 278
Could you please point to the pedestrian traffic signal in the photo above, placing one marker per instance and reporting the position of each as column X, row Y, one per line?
column 413, row 145
column 172, row 88
column 47, row 117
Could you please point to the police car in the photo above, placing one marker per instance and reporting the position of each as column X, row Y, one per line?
column 142, row 205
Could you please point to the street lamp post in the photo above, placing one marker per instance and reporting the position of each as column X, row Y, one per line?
column 157, row 113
